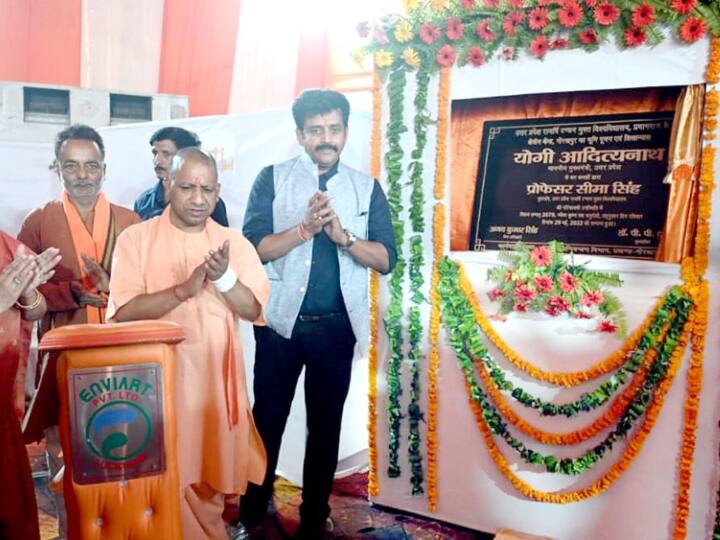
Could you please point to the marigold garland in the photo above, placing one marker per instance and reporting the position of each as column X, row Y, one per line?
column 373, row 488
column 610, row 416
column 691, row 410
column 712, row 72
column 631, row 451
column 442, row 129
column 571, row 378
column 434, row 365
column 693, row 270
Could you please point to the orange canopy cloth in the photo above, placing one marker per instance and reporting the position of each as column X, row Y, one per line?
column 217, row 441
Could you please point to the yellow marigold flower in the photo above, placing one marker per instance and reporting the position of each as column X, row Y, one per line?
column 439, row 5
column 383, row 58
column 358, row 57
column 403, row 31
column 411, row 57
column 410, row 5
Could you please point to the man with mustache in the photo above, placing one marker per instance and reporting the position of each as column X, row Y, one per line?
column 166, row 142
column 83, row 225
column 317, row 225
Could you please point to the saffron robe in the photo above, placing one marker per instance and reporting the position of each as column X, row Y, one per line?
column 43, row 228
column 218, row 444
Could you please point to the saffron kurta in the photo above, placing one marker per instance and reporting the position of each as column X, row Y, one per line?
column 217, row 441
column 43, row 228
column 18, row 512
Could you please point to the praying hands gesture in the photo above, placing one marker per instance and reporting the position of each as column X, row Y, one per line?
column 20, row 278
column 97, row 274
column 318, row 213
column 217, row 260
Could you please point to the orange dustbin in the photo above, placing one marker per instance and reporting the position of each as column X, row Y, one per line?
column 118, row 429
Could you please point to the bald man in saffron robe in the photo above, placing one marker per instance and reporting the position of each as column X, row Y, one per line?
column 182, row 266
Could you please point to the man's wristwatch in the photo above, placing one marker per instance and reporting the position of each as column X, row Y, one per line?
column 351, row 239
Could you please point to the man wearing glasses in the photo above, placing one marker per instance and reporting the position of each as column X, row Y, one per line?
column 83, row 225
column 317, row 225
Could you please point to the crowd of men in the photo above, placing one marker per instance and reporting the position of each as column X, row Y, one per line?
column 298, row 271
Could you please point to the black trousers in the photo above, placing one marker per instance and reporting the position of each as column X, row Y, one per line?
column 325, row 348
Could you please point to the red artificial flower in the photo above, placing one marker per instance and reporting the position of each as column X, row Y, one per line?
column 570, row 14
column 580, row 314
column 543, row 283
column 559, row 43
column 363, row 29
column 523, row 293
column 606, row 325
column 541, row 256
column 568, row 282
column 606, row 13
column 446, row 56
column 494, row 294
column 520, row 307
column 454, row 29
column 635, row 36
column 643, row 15
column 539, row 46
column 538, row 18
column 429, row 33
column 483, row 30
column 475, row 56
column 380, row 36
column 468, row 4
column 692, row 29
column 491, row 3
column 683, row 6
column 592, row 298
column 517, row 4
column 556, row 305
column 508, row 53
column 588, row 37
column 511, row 21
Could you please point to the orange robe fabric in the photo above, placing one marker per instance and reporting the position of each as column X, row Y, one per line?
column 18, row 510
column 42, row 228
column 218, row 444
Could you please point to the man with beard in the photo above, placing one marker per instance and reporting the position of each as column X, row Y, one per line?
column 318, row 225
column 83, row 225
column 165, row 144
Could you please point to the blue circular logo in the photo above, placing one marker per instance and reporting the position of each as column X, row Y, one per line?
column 118, row 431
